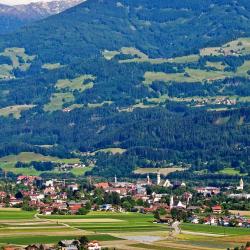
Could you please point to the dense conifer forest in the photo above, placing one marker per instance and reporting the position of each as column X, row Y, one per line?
column 143, row 76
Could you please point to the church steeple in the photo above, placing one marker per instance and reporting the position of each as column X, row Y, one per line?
column 158, row 178
column 241, row 184
column 171, row 203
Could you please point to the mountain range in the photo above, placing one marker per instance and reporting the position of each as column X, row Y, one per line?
column 131, row 84
column 13, row 17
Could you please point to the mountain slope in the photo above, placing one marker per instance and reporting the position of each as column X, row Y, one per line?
column 13, row 17
column 141, row 77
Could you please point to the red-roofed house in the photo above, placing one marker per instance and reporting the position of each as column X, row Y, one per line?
column 217, row 209
column 102, row 185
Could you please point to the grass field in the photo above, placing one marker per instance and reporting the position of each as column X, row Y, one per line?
column 13, row 214
column 64, row 92
column 7, row 163
column 237, row 47
column 52, row 66
column 164, row 171
column 140, row 57
column 98, row 105
column 230, row 171
column 190, row 75
column 215, row 229
column 51, row 239
column 107, row 222
column 57, row 101
column 15, row 110
column 110, row 150
column 80, row 83
column 19, row 227
column 20, row 60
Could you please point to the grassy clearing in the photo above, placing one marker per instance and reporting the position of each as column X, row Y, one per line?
column 215, row 229
column 20, row 60
column 52, row 66
column 164, row 171
column 111, row 151
column 65, row 89
column 230, row 171
column 80, row 83
column 15, row 110
column 30, row 156
column 237, row 47
column 216, row 65
column 57, row 101
column 80, row 171
column 7, row 163
column 108, row 54
column 98, row 105
column 243, row 69
column 190, row 75
column 140, row 57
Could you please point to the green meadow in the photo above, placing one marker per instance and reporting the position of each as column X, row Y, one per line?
column 15, row 110
column 25, row 240
column 215, row 229
column 16, row 215
column 7, row 163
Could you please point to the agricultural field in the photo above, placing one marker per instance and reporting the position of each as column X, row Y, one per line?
column 15, row 110
column 163, row 171
column 121, row 230
column 7, row 163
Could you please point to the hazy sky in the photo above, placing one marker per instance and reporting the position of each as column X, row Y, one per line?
column 15, row 2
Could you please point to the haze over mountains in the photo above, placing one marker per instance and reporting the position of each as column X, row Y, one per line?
column 15, row 16
column 159, row 82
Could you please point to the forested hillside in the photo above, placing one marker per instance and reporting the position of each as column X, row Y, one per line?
column 131, row 84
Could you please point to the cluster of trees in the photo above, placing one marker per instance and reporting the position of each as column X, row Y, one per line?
column 38, row 165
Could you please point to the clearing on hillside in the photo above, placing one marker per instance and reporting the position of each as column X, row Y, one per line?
column 15, row 110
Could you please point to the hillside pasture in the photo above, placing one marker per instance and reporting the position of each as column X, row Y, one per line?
column 52, row 66
column 237, row 47
column 15, row 110
column 80, row 83
column 20, row 60
column 57, row 101
column 7, row 163
column 140, row 57
column 30, row 156
column 191, row 75
column 110, row 151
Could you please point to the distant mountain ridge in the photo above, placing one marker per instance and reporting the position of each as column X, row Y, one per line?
column 13, row 17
